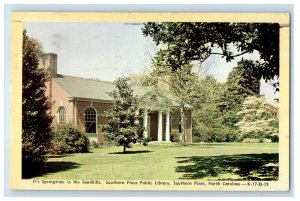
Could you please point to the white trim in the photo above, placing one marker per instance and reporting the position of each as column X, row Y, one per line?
column 145, row 124
column 75, row 112
column 159, row 127
column 168, row 126
column 96, row 119
column 58, row 114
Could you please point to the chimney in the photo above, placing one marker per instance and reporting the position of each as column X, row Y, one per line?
column 49, row 62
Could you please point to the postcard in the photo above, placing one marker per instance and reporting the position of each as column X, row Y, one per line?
column 149, row 101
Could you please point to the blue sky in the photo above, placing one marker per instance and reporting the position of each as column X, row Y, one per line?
column 108, row 50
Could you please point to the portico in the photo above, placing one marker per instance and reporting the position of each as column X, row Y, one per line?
column 162, row 132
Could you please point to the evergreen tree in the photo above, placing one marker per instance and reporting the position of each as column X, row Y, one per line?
column 36, row 120
column 124, row 127
column 242, row 81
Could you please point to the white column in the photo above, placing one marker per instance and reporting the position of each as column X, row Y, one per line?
column 145, row 123
column 159, row 129
column 168, row 126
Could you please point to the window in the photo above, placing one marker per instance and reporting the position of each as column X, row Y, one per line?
column 90, row 120
column 61, row 115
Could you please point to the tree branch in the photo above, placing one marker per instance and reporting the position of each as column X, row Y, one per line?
column 217, row 53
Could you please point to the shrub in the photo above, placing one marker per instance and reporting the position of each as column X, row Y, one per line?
column 69, row 139
column 95, row 144
column 220, row 133
column 275, row 138
column 232, row 136
column 175, row 137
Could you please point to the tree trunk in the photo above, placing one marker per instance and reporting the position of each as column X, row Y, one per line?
column 124, row 150
column 182, row 117
column 182, row 122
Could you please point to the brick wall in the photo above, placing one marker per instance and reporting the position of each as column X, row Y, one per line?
column 100, row 108
column 175, row 115
column 61, row 98
column 153, row 125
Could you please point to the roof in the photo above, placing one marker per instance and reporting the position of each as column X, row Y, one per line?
column 153, row 97
column 84, row 88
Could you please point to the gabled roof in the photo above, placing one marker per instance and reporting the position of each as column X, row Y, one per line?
column 85, row 88
column 154, row 98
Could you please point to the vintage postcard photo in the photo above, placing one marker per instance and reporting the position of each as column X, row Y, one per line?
column 150, row 101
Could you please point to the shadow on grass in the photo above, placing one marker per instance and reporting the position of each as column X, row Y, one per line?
column 240, row 167
column 68, row 154
column 50, row 167
column 57, row 156
column 132, row 152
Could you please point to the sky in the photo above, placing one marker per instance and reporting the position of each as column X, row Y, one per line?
column 106, row 51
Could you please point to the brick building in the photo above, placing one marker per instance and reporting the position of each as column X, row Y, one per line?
column 82, row 102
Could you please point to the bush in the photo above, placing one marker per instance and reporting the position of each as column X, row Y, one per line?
column 220, row 133
column 232, row 136
column 275, row 138
column 175, row 137
column 95, row 144
column 69, row 139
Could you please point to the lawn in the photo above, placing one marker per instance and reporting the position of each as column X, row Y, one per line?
column 218, row 161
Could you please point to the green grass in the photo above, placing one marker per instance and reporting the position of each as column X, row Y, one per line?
column 218, row 161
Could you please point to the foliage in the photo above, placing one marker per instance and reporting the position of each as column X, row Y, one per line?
column 259, row 119
column 180, row 84
column 175, row 137
column 95, row 144
column 241, row 82
column 207, row 117
column 185, row 42
column 155, row 99
column 36, row 121
column 123, row 127
column 69, row 139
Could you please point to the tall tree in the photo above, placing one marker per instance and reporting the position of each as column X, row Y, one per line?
column 184, row 42
column 36, row 120
column 242, row 81
column 123, row 127
column 207, row 125
column 181, row 84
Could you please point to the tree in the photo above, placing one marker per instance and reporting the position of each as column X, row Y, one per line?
column 259, row 119
column 241, row 82
column 185, row 42
column 123, row 127
column 181, row 84
column 36, row 120
column 244, row 78
column 207, row 125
